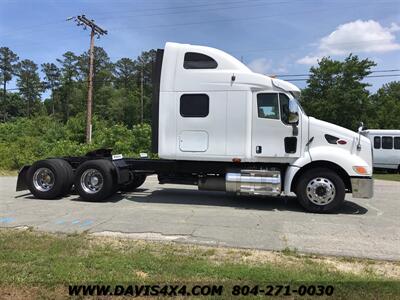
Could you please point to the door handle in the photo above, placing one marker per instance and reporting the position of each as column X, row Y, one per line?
column 258, row 149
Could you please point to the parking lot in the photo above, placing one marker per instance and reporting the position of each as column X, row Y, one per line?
column 361, row 228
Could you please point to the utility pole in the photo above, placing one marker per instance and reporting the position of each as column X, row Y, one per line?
column 95, row 31
column 141, row 94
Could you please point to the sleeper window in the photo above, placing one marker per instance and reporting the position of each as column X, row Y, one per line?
column 194, row 105
column 195, row 60
column 387, row 142
column 268, row 106
column 377, row 142
column 397, row 142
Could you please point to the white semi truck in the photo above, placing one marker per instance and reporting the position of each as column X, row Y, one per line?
column 220, row 126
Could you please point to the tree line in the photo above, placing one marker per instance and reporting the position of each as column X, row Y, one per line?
column 121, row 89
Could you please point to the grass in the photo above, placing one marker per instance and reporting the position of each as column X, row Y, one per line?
column 37, row 265
column 8, row 172
column 391, row 177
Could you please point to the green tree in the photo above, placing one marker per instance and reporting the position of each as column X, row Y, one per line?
column 8, row 61
column 336, row 93
column 53, row 77
column 69, row 73
column 125, row 73
column 144, row 71
column 102, row 67
column 13, row 106
column 29, row 85
column 385, row 107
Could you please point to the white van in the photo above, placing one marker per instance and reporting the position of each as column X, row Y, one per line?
column 386, row 148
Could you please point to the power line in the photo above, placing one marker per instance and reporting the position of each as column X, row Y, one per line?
column 225, row 6
column 32, row 28
column 208, row 5
column 253, row 18
column 207, row 8
column 368, row 76
column 224, row 3
column 299, row 75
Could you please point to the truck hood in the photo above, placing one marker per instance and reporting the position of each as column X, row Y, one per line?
column 318, row 129
column 332, row 129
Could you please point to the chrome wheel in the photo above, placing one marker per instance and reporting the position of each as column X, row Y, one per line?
column 92, row 181
column 321, row 191
column 43, row 179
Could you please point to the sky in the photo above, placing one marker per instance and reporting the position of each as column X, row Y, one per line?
column 273, row 37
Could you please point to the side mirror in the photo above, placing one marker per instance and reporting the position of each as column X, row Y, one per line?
column 362, row 127
column 293, row 112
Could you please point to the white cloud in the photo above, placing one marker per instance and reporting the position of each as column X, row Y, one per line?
column 260, row 65
column 394, row 27
column 308, row 60
column 358, row 36
column 267, row 66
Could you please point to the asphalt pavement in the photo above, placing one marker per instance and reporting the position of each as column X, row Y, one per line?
column 361, row 228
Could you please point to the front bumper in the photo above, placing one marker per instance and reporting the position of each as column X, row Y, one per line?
column 363, row 187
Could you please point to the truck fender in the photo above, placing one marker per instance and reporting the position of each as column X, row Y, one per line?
column 341, row 157
column 291, row 172
column 289, row 175
column 21, row 181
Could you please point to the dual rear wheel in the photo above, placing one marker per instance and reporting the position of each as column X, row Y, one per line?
column 94, row 180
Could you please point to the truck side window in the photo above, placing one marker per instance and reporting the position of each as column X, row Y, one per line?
column 387, row 142
column 397, row 142
column 284, row 103
column 195, row 60
column 194, row 105
column 377, row 142
column 268, row 106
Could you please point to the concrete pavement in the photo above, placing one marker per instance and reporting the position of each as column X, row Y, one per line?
column 362, row 228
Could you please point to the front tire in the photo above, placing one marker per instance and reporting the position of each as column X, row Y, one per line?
column 95, row 180
column 320, row 190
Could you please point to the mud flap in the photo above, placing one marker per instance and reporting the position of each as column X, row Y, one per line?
column 21, row 181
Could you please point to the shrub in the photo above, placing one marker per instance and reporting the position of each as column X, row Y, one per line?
column 23, row 140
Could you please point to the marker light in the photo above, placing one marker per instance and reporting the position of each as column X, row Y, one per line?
column 360, row 170
column 341, row 142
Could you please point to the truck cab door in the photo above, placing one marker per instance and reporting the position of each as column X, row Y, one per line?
column 272, row 135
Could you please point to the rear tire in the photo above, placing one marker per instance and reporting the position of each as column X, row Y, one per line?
column 49, row 178
column 320, row 190
column 69, row 180
column 137, row 181
column 95, row 180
